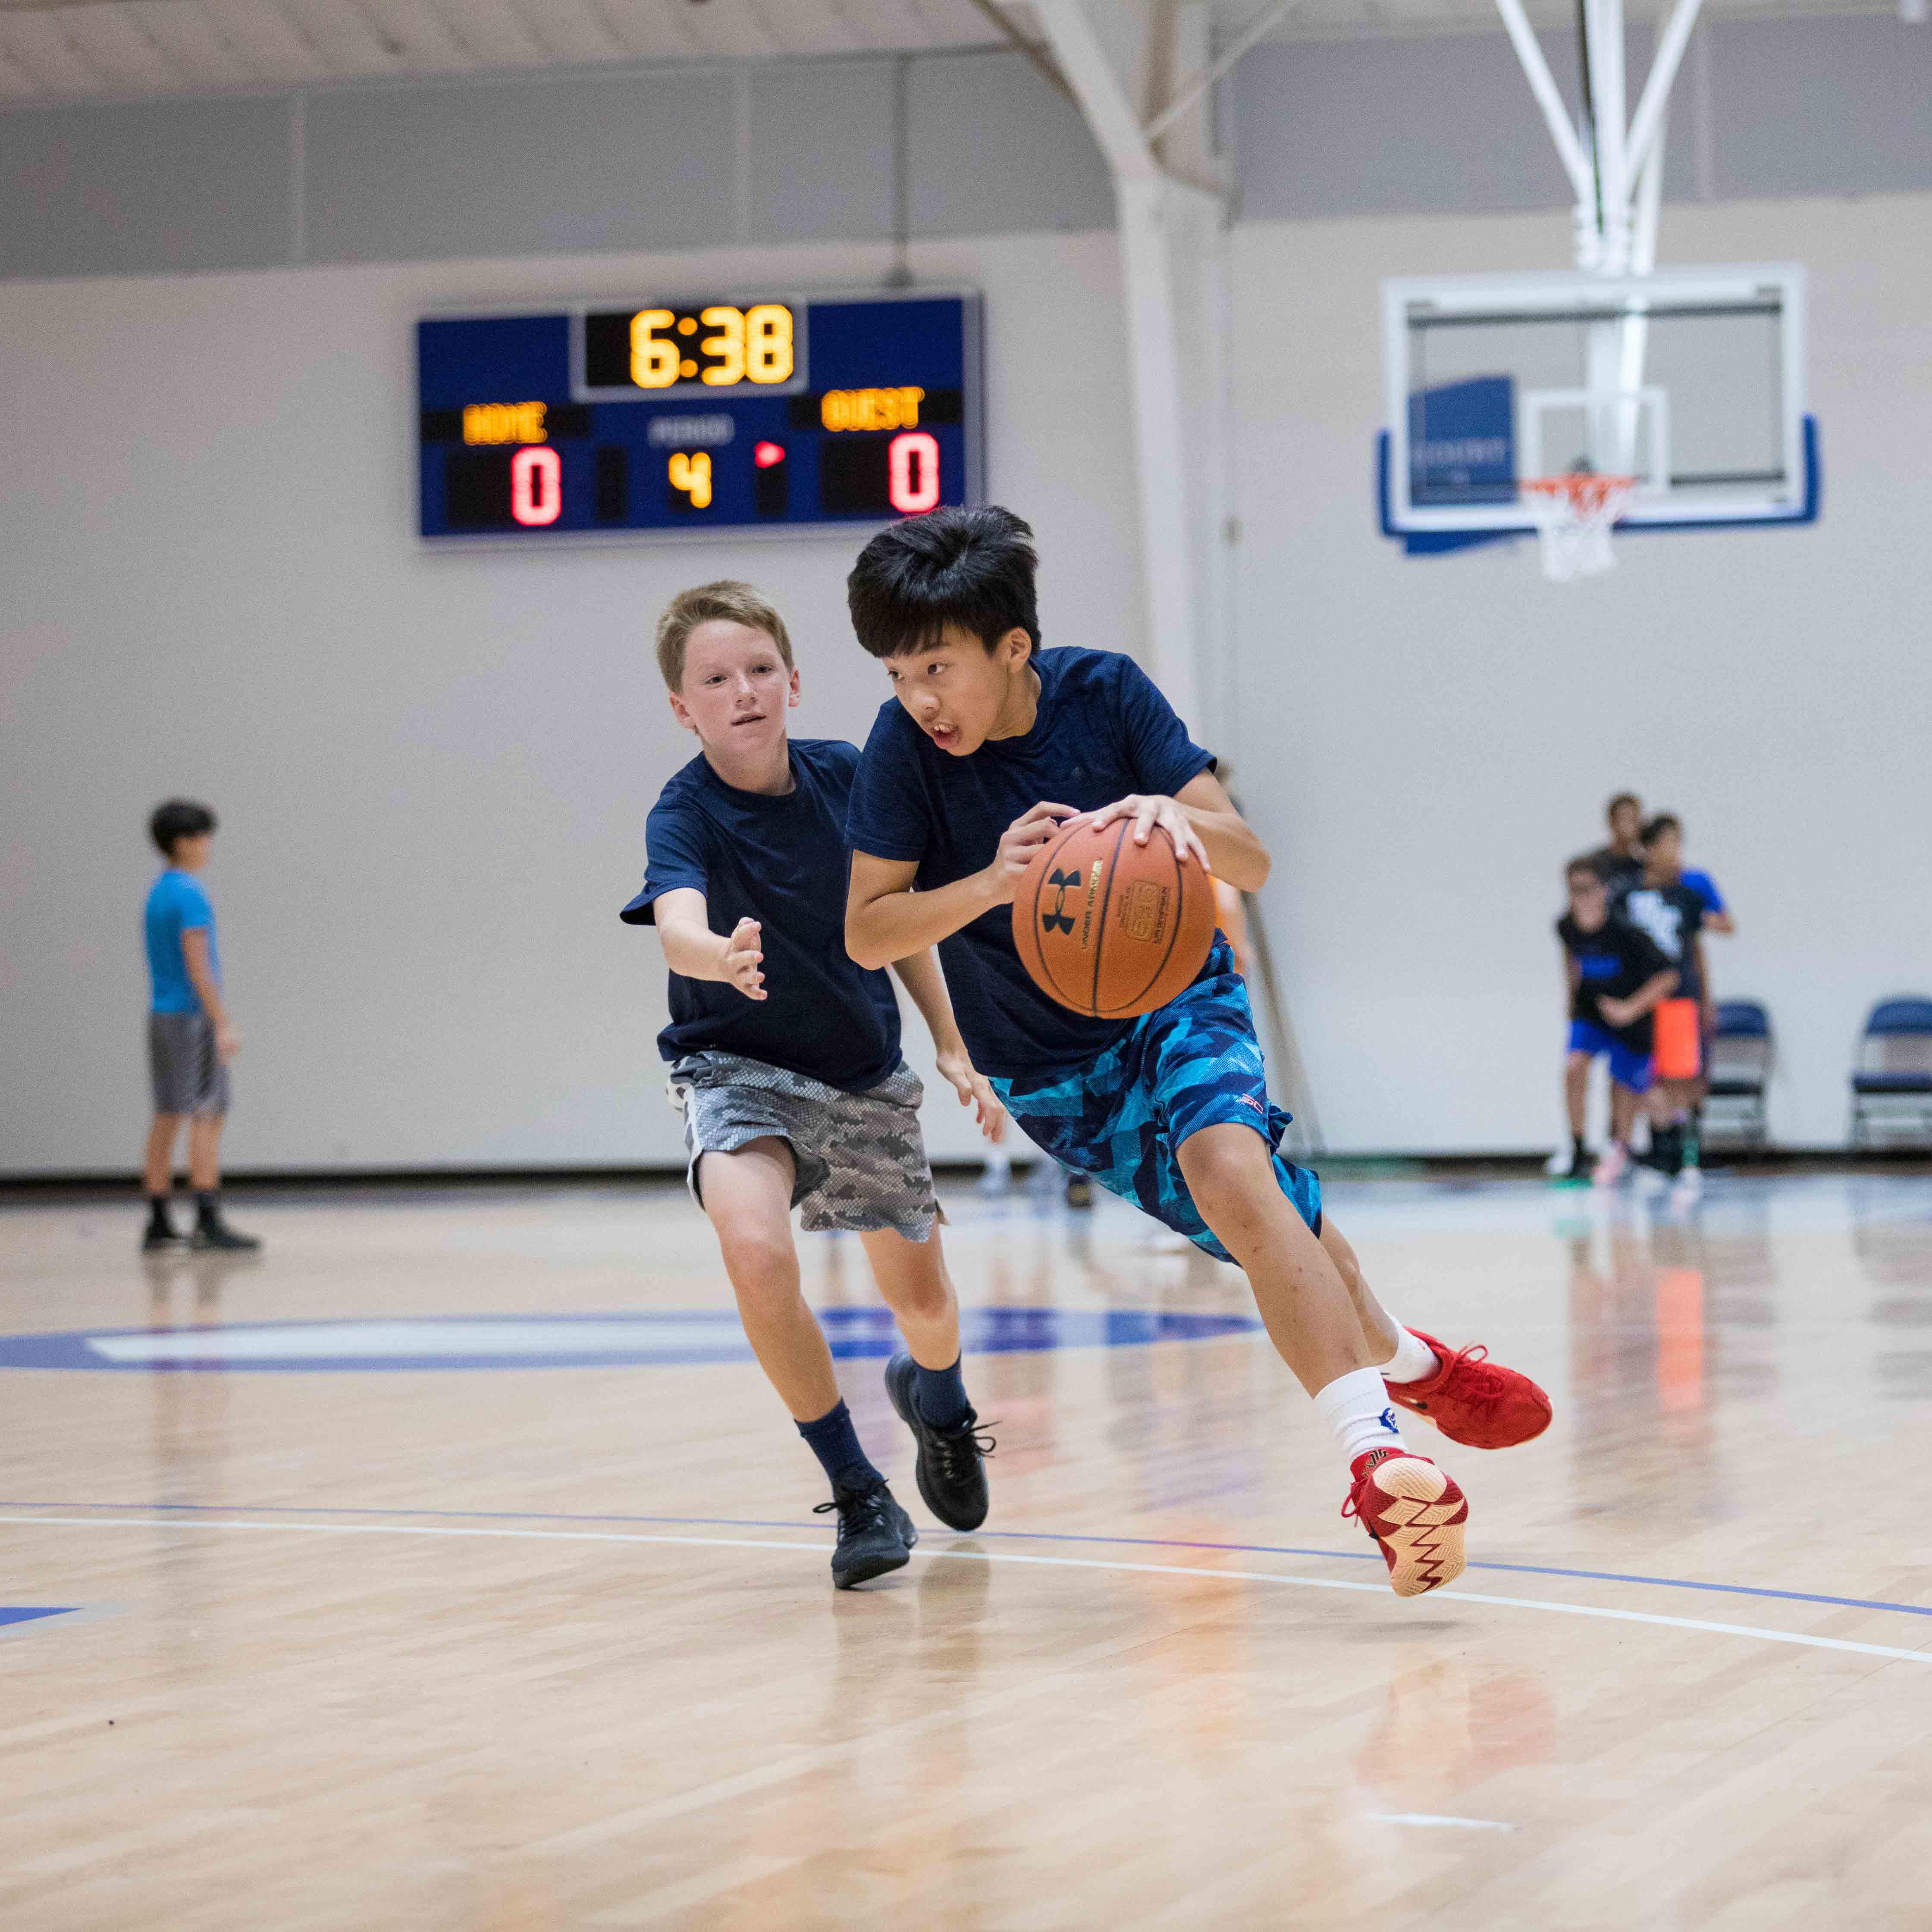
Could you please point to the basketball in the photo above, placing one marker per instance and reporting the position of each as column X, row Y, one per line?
column 1110, row 928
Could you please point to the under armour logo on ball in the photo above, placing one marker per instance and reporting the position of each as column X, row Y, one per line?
column 1060, row 920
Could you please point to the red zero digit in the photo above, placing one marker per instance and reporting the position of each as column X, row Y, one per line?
column 912, row 473
column 536, row 486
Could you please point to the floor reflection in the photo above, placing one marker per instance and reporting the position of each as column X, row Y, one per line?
column 1446, row 1724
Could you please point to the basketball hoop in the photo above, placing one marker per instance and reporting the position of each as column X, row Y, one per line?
column 1574, row 514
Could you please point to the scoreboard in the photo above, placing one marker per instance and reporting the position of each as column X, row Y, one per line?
column 667, row 416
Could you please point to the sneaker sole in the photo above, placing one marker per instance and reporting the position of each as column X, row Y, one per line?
column 879, row 1566
column 901, row 1398
column 1419, row 1524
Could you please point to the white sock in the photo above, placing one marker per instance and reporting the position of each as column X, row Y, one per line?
column 1356, row 1407
column 1414, row 1359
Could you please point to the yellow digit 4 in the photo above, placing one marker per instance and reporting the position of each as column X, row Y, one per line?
column 692, row 474
column 653, row 362
column 768, row 326
column 727, row 345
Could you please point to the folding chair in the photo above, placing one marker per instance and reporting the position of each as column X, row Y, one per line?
column 1891, row 1085
column 1738, row 1073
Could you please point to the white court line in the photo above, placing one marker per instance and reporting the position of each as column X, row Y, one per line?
column 1763, row 1635
column 1429, row 1818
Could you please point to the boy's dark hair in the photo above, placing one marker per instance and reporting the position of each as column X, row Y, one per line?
column 1581, row 868
column 1622, row 798
column 179, row 818
column 971, row 567
column 1664, row 821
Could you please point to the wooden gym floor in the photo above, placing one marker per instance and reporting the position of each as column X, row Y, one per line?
column 328, row 1610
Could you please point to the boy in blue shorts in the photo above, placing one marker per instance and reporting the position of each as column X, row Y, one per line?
column 785, row 1057
column 989, row 744
column 1614, row 976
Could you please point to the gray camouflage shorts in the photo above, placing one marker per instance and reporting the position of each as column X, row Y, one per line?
column 860, row 1159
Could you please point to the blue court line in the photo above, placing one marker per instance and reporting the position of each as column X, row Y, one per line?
column 1011, row 1536
column 23, row 1613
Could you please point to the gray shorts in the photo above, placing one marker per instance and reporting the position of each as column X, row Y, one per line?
column 187, row 1073
column 860, row 1159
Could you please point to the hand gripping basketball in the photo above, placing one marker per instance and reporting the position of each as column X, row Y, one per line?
column 1111, row 927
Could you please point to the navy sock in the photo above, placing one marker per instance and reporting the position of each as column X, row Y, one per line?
column 939, row 1396
column 833, row 1440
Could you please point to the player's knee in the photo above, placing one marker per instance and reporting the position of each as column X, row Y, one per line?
column 1223, row 1165
column 762, row 1263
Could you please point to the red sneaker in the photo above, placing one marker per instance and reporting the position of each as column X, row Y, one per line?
column 1474, row 1400
column 1414, row 1512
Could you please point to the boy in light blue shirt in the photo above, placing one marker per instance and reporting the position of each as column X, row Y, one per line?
column 190, row 1041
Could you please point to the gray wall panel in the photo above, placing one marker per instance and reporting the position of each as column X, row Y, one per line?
column 1812, row 106
column 1443, row 125
column 1338, row 128
column 160, row 187
column 529, row 166
column 821, row 152
column 995, row 148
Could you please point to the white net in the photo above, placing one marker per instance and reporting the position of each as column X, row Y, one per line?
column 1574, row 516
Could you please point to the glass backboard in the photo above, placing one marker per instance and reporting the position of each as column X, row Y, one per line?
column 1689, row 380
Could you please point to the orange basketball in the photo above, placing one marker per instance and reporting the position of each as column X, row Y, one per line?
column 1110, row 928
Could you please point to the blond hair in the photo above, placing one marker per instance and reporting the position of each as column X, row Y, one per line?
column 737, row 603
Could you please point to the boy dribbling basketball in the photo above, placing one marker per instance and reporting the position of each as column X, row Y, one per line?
column 990, row 744
column 785, row 1055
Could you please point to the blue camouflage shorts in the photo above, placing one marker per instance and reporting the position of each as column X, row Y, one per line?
column 1193, row 1064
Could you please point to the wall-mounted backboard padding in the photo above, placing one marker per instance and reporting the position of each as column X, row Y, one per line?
column 1691, row 380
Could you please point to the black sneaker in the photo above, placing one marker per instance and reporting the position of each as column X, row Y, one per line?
column 874, row 1534
column 161, row 1237
column 951, row 1475
column 1079, row 1191
column 219, row 1235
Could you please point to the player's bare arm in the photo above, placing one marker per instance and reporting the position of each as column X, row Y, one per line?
column 1203, row 822
column 207, row 989
column 885, row 919
column 921, row 976
column 692, row 949
column 1621, row 1012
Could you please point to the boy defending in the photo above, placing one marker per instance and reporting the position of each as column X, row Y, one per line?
column 786, row 1057
column 991, row 743
column 1613, row 977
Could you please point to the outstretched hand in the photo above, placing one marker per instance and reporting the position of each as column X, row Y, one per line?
column 1149, row 809
column 975, row 1090
column 742, row 959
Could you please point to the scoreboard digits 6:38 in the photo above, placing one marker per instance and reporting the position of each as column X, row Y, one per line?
column 665, row 417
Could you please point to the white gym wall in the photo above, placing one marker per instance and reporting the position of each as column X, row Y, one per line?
column 433, row 771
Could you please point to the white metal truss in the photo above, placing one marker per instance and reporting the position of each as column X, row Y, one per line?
column 1615, row 167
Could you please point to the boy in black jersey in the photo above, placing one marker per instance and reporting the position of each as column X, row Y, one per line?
column 1613, row 976
column 794, row 1092
column 989, row 743
column 1671, row 910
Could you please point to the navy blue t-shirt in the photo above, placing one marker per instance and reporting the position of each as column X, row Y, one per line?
column 783, row 862
column 1103, row 729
